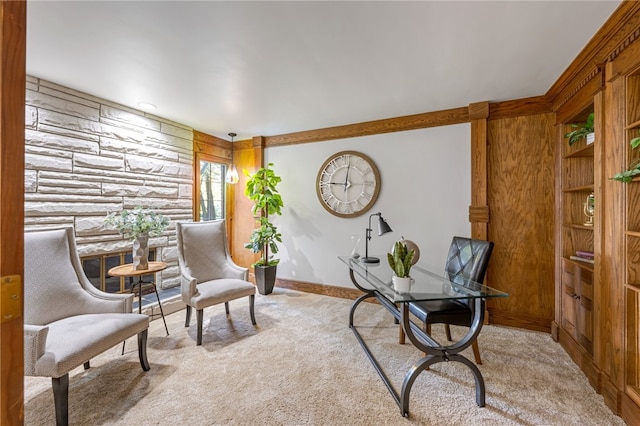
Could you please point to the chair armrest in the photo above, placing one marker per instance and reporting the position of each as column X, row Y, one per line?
column 108, row 302
column 188, row 284
column 35, row 340
column 242, row 272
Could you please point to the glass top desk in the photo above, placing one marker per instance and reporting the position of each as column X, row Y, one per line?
column 426, row 285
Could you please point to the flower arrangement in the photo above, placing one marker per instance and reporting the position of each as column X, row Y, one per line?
column 136, row 222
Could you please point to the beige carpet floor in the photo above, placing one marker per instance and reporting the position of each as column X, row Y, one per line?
column 302, row 365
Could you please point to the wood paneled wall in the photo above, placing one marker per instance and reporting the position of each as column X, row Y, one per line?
column 12, row 114
column 521, row 202
column 248, row 155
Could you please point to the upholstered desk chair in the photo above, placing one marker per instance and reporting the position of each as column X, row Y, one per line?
column 469, row 259
column 208, row 275
column 67, row 321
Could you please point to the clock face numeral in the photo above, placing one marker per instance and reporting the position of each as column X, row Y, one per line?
column 348, row 184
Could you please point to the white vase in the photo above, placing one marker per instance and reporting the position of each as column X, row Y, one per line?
column 401, row 284
column 141, row 252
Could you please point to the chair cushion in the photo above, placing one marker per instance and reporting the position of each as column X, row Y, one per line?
column 442, row 311
column 220, row 291
column 74, row 340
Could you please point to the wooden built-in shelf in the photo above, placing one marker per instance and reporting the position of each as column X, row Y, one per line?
column 634, row 125
column 584, row 265
column 585, row 151
column 579, row 188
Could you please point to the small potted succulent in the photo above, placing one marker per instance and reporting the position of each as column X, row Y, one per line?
column 400, row 262
column 138, row 225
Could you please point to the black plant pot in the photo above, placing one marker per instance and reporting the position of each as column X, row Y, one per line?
column 265, row 278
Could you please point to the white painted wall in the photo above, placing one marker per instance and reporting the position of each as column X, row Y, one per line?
column 425, row 197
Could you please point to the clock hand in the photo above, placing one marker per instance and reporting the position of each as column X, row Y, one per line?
column 346, row 179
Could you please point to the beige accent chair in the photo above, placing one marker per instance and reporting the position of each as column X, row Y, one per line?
column 208, row 275
column 67, row 321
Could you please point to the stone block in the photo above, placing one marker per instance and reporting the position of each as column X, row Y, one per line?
column 97, row 162
column 171, row 142
column 180, row 132
column 90, row 225
column 30, row 181
column 71, row 95
column 141, row 190
column 30, row 117
column 64, row 106
column 67, row 132
column 145, row 165
column 62, row 208
column 54, row 141
column 185, row 191
column 143, row 150
column 47, row 162
column 68, row 181
column 128, row 118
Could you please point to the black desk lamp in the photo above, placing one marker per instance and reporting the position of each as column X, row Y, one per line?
column 383, row 228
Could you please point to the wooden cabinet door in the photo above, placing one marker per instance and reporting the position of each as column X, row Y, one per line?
column 577, row 304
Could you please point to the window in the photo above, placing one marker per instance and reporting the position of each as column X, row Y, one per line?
column 96, row 268
column 212, row 190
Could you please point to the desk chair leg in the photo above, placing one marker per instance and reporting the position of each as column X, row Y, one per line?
column 226, row 307
column 447, row 331
column 476, row 352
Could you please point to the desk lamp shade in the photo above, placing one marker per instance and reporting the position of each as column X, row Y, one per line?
column 383, row 228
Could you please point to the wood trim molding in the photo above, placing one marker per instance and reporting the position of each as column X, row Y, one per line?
column 479, row 209
column 519, row 107
column 479, row 214
column 322, row 289
column 624, row 20
column 13, row 36
column 597, row 69
column 388, row 125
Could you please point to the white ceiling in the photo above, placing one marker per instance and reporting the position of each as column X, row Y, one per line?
column 268, row 68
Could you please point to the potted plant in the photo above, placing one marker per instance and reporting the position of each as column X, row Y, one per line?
column 138, row 225
column 261, row 189
column 401, row 261
column 582, row 131
column 634, row 167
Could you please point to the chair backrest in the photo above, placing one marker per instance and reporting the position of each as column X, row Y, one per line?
column 202, row 249
column 468, row 258
column 52, row 277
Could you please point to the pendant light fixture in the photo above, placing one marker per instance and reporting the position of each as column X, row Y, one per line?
column 232, row 174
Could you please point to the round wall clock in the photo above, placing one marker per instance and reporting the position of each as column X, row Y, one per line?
column 348, row 184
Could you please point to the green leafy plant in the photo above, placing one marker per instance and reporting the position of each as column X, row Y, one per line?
column 261, row 189
column 133, row 223
column 581, row 130
column 400, row 259
column 634, row 167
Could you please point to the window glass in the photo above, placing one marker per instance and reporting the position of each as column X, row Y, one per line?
column 212, row 190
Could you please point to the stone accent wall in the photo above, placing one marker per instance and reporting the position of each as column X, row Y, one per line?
column 86, row 156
